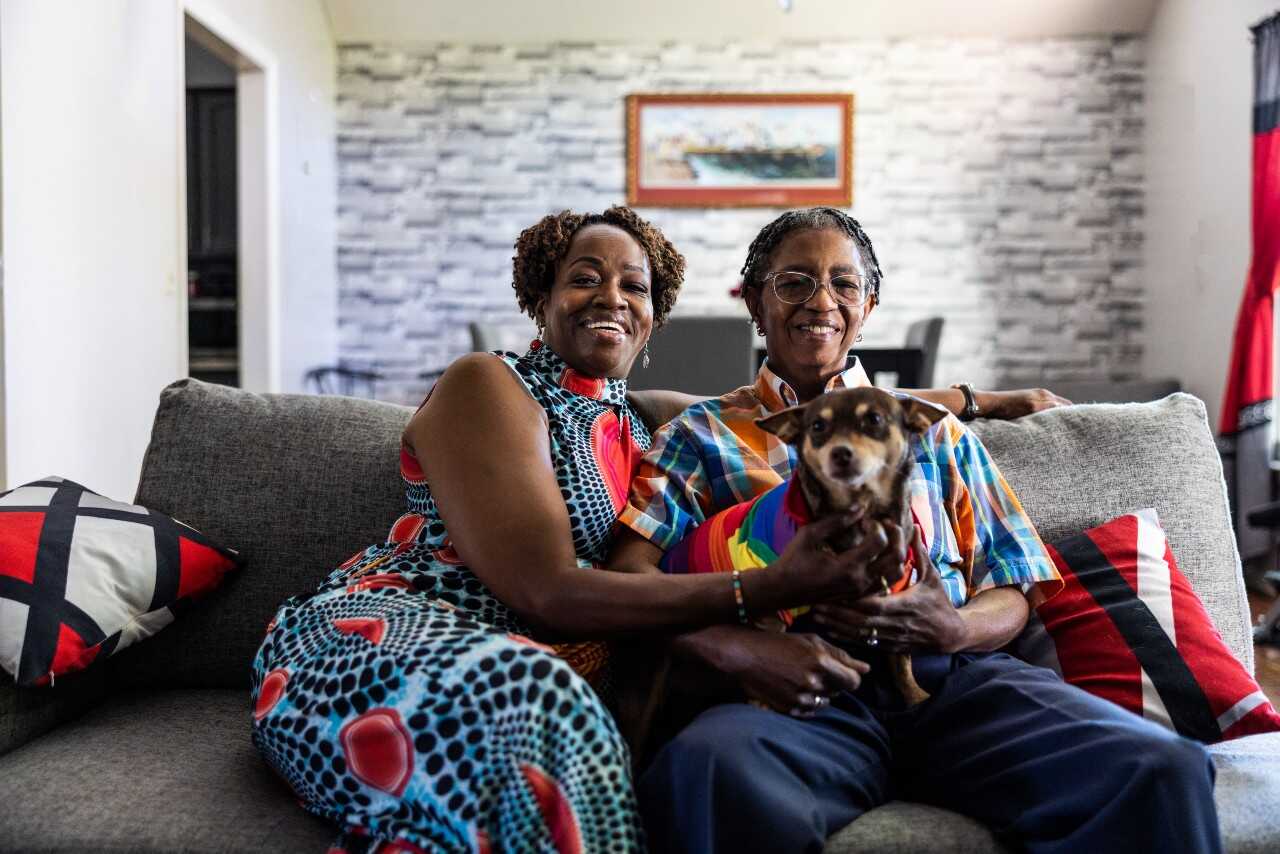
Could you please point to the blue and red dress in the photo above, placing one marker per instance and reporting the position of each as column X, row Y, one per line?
column 405, row 702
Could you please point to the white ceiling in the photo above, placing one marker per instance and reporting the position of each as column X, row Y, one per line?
column 523, row 21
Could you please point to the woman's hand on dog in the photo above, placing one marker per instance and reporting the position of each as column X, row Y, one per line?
column 920, row 617
column 808, row 571
column 793, row 674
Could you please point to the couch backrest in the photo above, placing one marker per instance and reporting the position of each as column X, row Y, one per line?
column 296, row 483
column 300, row 483
column 1079, row 466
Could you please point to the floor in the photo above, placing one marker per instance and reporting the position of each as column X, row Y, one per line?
column 1267, row 669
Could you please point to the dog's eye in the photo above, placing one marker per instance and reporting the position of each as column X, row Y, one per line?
column 874, row 419
column 817, row 426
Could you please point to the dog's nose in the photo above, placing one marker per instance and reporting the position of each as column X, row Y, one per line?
column 841, row 456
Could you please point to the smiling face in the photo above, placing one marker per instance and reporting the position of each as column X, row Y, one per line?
column 599, row 313
column 808, row 343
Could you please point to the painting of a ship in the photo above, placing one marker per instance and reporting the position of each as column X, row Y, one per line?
column 726, row 167
column 740, row 149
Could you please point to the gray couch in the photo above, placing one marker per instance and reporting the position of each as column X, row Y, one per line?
column 151, row 751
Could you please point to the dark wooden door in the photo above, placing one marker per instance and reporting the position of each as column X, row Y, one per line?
column 211, row 172
column 213, row 294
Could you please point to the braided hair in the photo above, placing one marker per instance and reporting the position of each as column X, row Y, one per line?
column 815, row 219
column 541, row 246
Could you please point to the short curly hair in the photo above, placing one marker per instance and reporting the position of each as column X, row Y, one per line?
column 815, row 219
column 541, row 246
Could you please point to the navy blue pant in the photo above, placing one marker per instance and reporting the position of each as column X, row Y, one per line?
column 1045, row 765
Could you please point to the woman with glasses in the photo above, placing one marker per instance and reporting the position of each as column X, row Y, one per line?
column 1045, row 765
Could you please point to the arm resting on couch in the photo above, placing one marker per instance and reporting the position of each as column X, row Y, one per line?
column 659, row 407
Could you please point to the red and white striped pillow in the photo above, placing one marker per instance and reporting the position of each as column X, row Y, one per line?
column 1127, row 627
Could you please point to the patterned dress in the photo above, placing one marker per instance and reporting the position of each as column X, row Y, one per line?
column 406, row 703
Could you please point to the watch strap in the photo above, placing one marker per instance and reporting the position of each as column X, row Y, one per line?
column 971, row 410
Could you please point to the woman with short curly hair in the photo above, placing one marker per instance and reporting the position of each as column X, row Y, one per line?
column 446, row 689
column 540, row 247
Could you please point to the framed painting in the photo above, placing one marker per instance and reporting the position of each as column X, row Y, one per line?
column 739, row 149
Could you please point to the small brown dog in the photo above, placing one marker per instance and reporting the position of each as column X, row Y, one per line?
column 855, row 451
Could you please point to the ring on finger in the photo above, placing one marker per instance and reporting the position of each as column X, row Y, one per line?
column 872, row 637
column 805, row 704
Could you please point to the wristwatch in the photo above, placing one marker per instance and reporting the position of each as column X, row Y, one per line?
column 971, row 410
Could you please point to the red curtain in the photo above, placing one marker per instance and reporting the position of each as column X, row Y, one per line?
column 1247, row 404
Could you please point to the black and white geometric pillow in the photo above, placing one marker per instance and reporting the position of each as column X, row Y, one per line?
column 82, row 576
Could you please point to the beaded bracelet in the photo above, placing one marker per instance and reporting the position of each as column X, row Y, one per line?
column 737, row 596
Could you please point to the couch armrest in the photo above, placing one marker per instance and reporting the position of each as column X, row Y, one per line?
column 659, row 407
column 27, row 713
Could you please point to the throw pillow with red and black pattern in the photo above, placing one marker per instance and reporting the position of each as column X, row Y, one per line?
column 1127, row 627
column 82, row 576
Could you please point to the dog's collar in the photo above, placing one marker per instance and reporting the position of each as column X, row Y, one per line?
column 795, row 505
column 552, row 368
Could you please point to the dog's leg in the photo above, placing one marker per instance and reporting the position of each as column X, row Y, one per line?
column 905, row 680
column 900, row 666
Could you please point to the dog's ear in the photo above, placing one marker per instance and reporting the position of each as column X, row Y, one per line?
column 787, row 425
column 920, row 415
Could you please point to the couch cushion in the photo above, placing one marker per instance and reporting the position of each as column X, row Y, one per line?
column 297, row 483
column 152, row 771
column 1076, row 467
column 1247, row 792
column 27, row 713
column 902, row 827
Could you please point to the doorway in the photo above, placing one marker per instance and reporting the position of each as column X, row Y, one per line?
column 232, row 296
column 213, row 315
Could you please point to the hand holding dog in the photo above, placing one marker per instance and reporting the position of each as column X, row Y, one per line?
column 808, row 571
column 920, row 617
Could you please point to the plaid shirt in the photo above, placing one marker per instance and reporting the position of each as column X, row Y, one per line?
column 713, row 456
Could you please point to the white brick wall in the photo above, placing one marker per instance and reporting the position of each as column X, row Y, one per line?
column 1001, row 182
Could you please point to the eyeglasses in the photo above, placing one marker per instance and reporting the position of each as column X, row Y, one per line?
column 797, row 288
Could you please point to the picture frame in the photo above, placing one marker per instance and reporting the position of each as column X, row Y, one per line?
column 738, row 149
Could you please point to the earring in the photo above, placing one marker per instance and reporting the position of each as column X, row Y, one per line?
column 759, row 329
column 644, row 360
column 536, row 343
column 858, row 340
